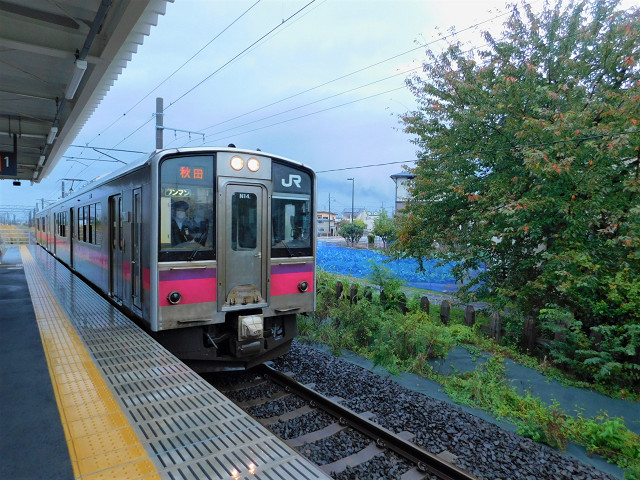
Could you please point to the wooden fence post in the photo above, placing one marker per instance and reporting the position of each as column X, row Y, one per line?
column 469, row 316
column 424, row 305
column 402, row 303
column 495, row 327
column 596, row 338
column 353, row 293
column 368, row 293
column 528, row 340
column 339, row 289
column 445, row 312
column 561, row 334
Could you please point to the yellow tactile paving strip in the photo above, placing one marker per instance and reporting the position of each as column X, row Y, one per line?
column 102, row 444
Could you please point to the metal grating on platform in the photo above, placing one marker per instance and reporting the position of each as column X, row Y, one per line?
column 189, row 429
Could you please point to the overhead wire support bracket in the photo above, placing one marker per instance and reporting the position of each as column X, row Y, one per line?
column 107, row 155
column 189, row 132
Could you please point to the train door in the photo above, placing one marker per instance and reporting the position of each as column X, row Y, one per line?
column 116, row 247
column 245, row 245
column 71, row 240
column 50, row 232
column 56, row 230
column 136, row 262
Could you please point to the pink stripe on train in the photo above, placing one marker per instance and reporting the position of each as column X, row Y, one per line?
column 286, row 278
column 197, row 290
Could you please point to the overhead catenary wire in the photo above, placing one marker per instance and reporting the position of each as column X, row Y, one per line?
column 495, row 150
column 284, row 21
column 474, row 26
column 166, row 79
column 314, row 102
column 355, row 72
column 254, row 44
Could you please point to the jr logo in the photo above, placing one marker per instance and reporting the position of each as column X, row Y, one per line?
column 293, row 179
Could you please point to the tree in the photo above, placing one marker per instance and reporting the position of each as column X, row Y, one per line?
column 352, row 232
column 529, row 162
column 384, row 227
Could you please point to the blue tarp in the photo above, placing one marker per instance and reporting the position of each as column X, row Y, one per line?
column 356, row 263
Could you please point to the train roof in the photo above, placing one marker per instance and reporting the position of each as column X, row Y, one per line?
column 157, row 155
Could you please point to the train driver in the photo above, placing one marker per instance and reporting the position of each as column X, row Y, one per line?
column 181, row 228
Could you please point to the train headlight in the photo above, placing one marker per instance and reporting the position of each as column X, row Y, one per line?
column 237, row 163
column 303, row 286
column 174, row 298
column 253, row 164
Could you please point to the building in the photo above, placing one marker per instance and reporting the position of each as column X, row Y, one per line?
column 326, row 224
column 402, row 181
column 358, row 214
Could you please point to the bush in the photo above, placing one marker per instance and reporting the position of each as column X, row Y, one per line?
column 352, row 232
column 609, row 357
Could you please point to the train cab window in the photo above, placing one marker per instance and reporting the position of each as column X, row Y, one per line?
column 187, row 208
column 291, row 218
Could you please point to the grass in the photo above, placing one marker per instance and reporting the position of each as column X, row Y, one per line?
column 406, row 342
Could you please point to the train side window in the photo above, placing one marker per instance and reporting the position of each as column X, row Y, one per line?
column 92, row 222
column 81, row 224
column 97, row 232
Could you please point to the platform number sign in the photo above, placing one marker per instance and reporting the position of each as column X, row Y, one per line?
column 8, row 164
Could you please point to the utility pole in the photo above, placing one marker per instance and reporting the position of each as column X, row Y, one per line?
column 160, row 128
column 159, row 122
column 353, row 185
column 329, row 232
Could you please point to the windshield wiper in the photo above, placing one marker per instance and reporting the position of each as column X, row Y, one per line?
column 192, row 255
column 287, row 247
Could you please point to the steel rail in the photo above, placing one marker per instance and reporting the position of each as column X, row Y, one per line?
column 424, row 460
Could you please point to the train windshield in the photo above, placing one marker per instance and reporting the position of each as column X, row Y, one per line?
column 187, row 208
column 291, row 212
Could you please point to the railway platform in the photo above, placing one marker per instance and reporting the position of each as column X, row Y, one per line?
column 87, row 394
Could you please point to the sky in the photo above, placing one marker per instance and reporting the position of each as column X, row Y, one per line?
column 326, row 87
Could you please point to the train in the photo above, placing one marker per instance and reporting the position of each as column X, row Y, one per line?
column 211, row 250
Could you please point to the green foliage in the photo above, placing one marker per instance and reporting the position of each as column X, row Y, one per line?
column 384, row 227
column 544, row 424
column 371, row 238
column 406, row 342
column 529, row 165
column 352, row 232
column 487, row 388
column 383, row 277
column 608, row 357
column 610, row 438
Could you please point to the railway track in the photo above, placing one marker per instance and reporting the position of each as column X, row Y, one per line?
column 277, row 400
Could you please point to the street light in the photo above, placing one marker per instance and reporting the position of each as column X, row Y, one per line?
column 353, row 183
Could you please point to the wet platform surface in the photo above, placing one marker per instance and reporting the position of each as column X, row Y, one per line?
column 122, row 406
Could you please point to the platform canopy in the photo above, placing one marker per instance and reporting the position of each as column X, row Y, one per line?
column 58, row 59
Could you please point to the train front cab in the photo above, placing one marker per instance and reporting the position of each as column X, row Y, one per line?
column 242, row 283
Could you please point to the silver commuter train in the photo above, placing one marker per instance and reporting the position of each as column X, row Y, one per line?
column 212, row 250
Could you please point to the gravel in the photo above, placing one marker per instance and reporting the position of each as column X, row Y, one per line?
column 297, row 426
column 484, row 449
column 335, row 447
